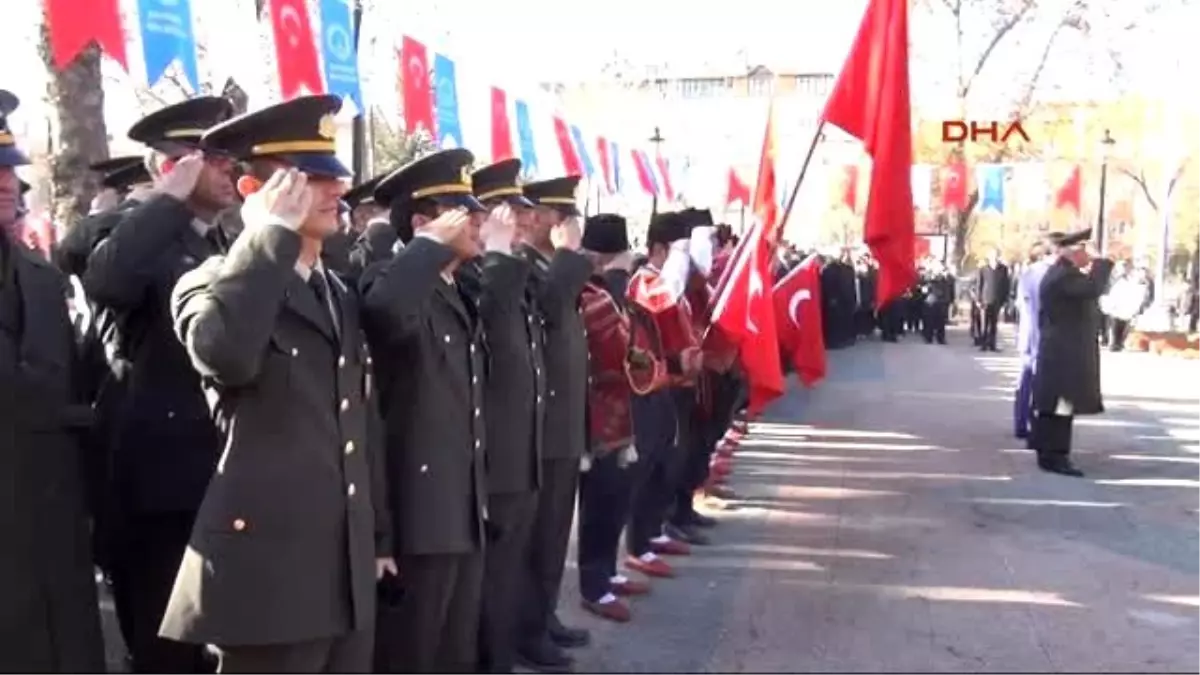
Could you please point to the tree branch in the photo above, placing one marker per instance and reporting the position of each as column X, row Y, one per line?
column 1175, row 179
column 1026, row 100
column 1140, row 179
column 1002, row 30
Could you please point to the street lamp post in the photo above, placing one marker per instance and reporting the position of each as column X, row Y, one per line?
column 657, row 140
column 358, row 130
column 1101, row 235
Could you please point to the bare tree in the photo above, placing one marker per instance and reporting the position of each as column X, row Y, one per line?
column 76, row 100
column 394, row 148
column 982, row 29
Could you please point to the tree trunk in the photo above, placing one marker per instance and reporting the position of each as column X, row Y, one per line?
column 76, row 98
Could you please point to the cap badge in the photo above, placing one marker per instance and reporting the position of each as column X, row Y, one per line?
column 465, row 175
column 327, row 128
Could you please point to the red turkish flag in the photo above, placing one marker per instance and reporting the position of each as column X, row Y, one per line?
column 850, row 188
column 502, row 141
column 798, row 318
column 954, row 186
column 737, row 191
column 743, row 311
column 871, row 102
column 295, row 49
column 1070, row 195
column 664, row 172
column 566, row 147
column 416, row 94
column 73, row 25
column 606, row 164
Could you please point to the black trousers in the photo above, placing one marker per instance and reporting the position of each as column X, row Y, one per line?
column 146, row 553
column 976, row 324
column 604, row 500
column 1050, row 435
column 547, row 552
column 1119, row 331
column 864, row 320
column 510, row 521
column 891, row 320
column 707, row 431
column 914, row 313
column 934, row 326
column 991, row 321
column 656, row 474
column 433, row 627
column 344, row 654
column 693, row 455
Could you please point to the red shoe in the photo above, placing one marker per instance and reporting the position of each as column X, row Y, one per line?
column 655, row 568
column 630, row 588
column 613, row 611
column 725, row 449
column 721, row 467
column 670, row 547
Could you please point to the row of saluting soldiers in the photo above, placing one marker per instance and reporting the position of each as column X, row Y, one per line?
column 300, row 470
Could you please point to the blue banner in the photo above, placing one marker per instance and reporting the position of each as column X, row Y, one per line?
column 581, row 147
column 167, row 36
column 529, row 162
column 339, row 51
column 615, row 154
column 445, row 103
column 992, row 179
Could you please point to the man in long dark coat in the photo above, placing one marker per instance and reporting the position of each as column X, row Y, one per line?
column 1067, row 372
column 426, row 340
column 514, row 406
column 559, row 274
column 164, row 444
column 49, row 619
column 280, row 571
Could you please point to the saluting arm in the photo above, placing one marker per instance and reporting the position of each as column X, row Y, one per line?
column 225, row 310
column 122, row 267
column 504, row 281
column 564, row 281
column 1084, row 286
column 396, row 292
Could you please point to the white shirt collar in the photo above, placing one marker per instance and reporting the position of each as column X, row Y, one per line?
column 202, row 228
column 305, row 271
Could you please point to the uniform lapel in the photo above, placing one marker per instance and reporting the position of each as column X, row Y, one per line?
column 199, row 246
column 451, row 296
column 42, row 331
column 301, row 300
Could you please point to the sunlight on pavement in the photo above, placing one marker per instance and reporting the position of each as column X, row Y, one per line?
column 1182, row 600
column 1047, row 502
column 833, row 445
column 950, row 593
column 1152, row 482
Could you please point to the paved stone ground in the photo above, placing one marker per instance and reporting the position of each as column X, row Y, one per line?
column 889, row 522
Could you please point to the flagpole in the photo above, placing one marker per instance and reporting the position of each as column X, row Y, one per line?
column 812, row 148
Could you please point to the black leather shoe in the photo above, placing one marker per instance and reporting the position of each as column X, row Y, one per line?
column 566, row 637
column 545, row 657
column 686, row 533
column 1063, row 468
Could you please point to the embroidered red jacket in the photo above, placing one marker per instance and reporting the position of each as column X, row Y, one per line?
column 672, row 316
column 610, row 419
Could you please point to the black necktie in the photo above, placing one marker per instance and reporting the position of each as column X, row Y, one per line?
column 320, row 288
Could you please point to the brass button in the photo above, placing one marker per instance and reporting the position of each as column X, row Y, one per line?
column 239, row 524
column 369, row 361
column 345, row 404
column 472, row 349
column 474, row 379
column 295, row 352
column 349, row 447
column 446, row 338
column 341, row 362
column 424, row 468
column 351, row 490
column 478, row 412
column 478, row 444
column 170, row 414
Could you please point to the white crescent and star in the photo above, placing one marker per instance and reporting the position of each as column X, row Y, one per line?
column 289, row 21
column 794, row 305
column 417, row 69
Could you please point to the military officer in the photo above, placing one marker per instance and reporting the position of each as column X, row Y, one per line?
column 124, row 181
column 551, row 238
column 280, row 571
column 374, row 236
column 164, row 445
column 514, row 405
column 51, row 621
column 937, row 291
column 427, row 342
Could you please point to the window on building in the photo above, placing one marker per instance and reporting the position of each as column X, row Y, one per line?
column 761, row 85
column 702, row 87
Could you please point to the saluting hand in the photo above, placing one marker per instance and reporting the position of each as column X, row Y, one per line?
column 181, row 179
column 385, row 566
column 284, row 198
column 568, row 234
column 500, row 229
column 448, row 227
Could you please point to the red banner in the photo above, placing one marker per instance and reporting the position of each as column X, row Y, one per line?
column 502, row 140
column 415, row 93
column 74, row 25
column 606, row 166
column 954, row 186
column 571, row 164
column 645, row 174
column 664, row 172
column 295, row 49
column 850, row 188
column 1070, row 194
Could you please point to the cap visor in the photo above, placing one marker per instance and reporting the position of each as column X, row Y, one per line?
column 328, row 166
column 468, row 202
column 10, row 156
column 519, row 200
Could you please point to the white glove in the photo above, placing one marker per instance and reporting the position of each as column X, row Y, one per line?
column 628, row 456
column 585, row 463
column 700, row 248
